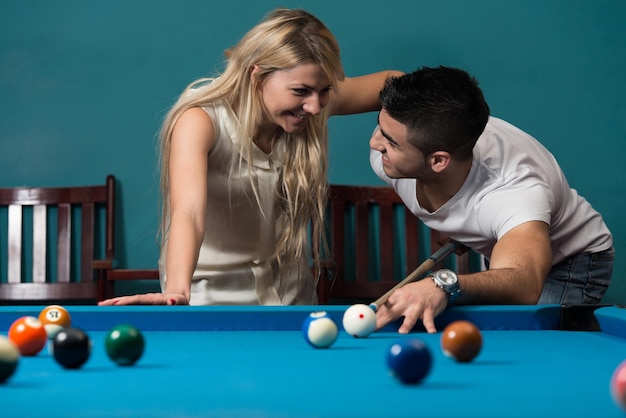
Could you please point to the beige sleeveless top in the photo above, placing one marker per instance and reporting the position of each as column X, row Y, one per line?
column 235, row 264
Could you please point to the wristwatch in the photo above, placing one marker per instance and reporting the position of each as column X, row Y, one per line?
column 448, row 281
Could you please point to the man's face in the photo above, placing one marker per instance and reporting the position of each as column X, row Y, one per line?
column 400, row 158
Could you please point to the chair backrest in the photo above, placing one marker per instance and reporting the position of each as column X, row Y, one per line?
column 375, row 242
column 58, row 262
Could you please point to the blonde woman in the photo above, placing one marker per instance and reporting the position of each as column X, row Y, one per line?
column 244, row 160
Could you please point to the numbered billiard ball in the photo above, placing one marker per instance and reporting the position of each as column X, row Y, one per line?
column 29, row 335
column 462, row 341
column 124, row 344
column 9, row 358
column 71, row 348
column 618, row 386
column 359, row 320
column 54, row 318
column 320, row 330
column 409, row 360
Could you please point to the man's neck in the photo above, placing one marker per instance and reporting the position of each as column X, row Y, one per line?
column 434, row 192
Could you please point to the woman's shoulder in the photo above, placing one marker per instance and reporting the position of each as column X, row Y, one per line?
column 196, row 116
column 195, row 126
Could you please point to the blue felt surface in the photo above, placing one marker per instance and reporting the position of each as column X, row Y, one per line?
column 276, row 374
column 528, row 372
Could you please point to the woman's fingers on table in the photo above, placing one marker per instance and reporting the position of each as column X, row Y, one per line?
column 144, row 299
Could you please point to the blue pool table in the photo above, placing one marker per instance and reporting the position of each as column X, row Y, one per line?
column 253, row 362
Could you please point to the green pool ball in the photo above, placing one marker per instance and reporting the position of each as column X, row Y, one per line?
column 124, row 344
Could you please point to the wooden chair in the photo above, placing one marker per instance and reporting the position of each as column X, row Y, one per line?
column 54, row 234
column 114, row 276
column 375, row 241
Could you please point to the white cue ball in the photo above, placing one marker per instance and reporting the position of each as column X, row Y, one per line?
column 359, row 320
column 320, row 330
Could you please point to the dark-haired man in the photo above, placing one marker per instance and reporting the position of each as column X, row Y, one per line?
column 492, row 187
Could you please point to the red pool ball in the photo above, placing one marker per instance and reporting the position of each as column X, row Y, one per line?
column 618, row 386
column 54, row 318
column 462, row 341
column 29, row 335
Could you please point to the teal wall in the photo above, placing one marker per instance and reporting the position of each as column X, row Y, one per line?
column 84, row 85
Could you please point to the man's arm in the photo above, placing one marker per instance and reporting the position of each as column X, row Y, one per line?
column 519, row 265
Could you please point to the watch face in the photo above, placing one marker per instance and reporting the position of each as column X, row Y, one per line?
column 447, row 277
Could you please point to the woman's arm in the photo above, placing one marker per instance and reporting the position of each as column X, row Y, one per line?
column 192, row 140
column 359, row 94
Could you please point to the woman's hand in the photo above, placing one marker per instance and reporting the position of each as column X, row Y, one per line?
column 147, row 299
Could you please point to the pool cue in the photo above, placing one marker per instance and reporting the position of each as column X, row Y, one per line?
column 438, row 256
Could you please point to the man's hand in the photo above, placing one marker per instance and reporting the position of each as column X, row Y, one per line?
column 420, row 300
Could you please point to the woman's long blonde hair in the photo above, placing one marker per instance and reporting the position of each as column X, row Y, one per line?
column 285, row 39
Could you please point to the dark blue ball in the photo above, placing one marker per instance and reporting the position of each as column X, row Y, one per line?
column 409, row 360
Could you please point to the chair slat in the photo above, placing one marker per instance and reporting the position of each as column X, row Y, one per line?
column 14, row 267
column 87, row 247
column 386, row 242
column 64, row 242
column 40, row 240
column 412, row 253
column 362, row 242
column 338, row 237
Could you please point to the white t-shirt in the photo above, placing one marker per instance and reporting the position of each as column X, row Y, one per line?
column 513, row 179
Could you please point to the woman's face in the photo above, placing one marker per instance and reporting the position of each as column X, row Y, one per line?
column 292, row 96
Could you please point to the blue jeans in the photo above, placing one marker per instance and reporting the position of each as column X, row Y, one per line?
column 580, row 279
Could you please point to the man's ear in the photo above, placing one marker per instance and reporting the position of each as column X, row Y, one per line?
column 439, row 161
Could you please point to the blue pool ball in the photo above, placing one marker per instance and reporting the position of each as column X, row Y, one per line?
column 409, row 360
column 320, row 330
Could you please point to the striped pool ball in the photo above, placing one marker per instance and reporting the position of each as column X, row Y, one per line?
column 54, row 318
column 319, row 330
column 29, row 334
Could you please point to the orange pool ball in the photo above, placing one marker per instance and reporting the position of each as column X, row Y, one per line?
column 29, row 335
column 462, row 341
column 55, row 318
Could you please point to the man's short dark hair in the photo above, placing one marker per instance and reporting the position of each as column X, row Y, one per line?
column 443, row 109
